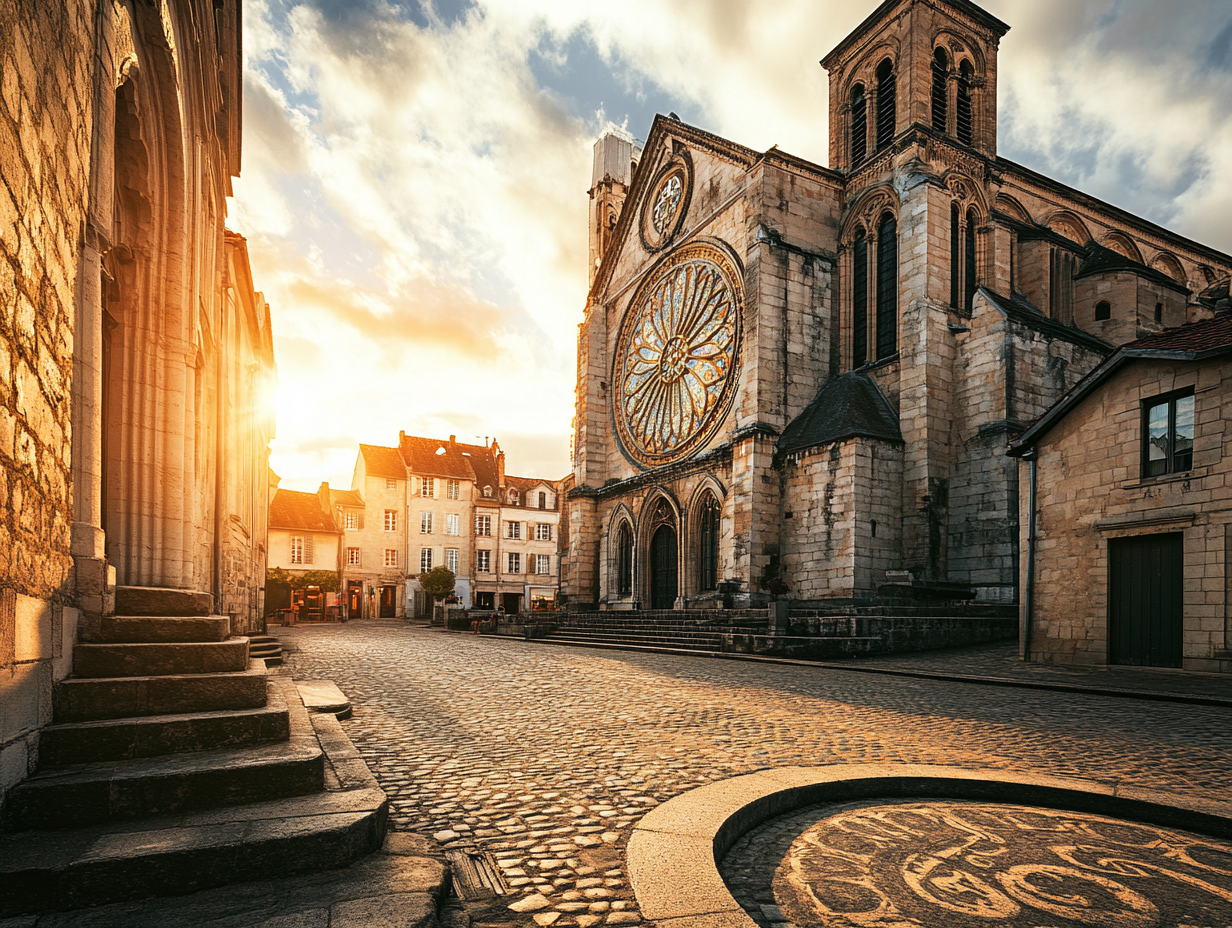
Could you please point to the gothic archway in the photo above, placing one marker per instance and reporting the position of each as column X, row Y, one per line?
column 664, row 557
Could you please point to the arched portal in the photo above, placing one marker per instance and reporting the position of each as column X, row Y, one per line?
column 664, row 558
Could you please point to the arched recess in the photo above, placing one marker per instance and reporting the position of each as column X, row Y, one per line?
column 703, row 558
column 621, row 549
column 1070, row 226
column 659, row 543
column 1011, row 207
column 151, row 395
column 1124, row 246
column 1167, row 263
column 870, row 332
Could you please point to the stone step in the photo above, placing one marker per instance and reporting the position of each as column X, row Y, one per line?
column 176, row 855
column 91, row 699
column 163, row 629
column 156, row 601
column 159, row 735
column 93, row 794
column 143, row 660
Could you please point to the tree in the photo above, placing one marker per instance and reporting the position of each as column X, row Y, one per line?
column 326, row 580
column 437, row 582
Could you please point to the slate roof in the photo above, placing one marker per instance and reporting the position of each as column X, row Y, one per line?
column 1019, row 310
column 292, row 509
column 526, row 486
column 346, row 498
column 380, row 461
column 1101, row 260
column 850, row 406
column 1193, row 342
column 424, row 456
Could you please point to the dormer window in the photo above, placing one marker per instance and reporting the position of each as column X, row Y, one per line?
column 487, row 492
column 859, row 126
column 966, row 120
column 941, row 98
column 887, row 109
column 513, row 497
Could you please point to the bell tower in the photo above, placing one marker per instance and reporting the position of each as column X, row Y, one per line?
column 929, row 63
column 616, row 158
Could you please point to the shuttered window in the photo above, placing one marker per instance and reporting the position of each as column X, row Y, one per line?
column 887, row 109
column 887, row 288
column 941, row 101
column 972, row 266
column 859, row 126
column 859, row 303
column 955, row 255
column 965, row 118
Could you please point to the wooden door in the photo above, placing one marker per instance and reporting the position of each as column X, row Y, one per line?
column 1146, row 616
column 389, row 599
column 663, row 568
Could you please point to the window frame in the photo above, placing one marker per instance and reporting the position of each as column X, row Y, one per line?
column 483, row 560
column 543, row 564
column 391, row 557
column 453, row 489
column 350, row 521
column 543, row 531
column 355, row 557
column 425, row 560
column 1170, row 399
column 453, row 557
column 425, row 523
column 453, row 524
column 296, row 553
column 513, row 531
column 390, row 521
column 391, row 483
column 483, row 526
column 514, row 562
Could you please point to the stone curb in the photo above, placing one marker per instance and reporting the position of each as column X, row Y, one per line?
column 674, row 850
column 1114, row 692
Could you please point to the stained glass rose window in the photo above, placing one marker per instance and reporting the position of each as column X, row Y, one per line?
column 678, row 353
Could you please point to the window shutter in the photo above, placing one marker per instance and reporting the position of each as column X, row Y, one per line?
column 361, row 520
column 308, row 549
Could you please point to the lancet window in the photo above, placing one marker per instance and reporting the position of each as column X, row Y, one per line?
column 886, row 104
column 708, row 539
column 941, row 97
column 859, row 126
column 965, row 123
column 624, row 559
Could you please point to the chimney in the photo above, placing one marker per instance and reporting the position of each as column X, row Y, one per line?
column 401, row 436
column 323, row 496
column 500, row 464
column 453, row 439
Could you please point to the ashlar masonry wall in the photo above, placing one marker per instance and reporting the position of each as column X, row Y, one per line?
column 1091, row 491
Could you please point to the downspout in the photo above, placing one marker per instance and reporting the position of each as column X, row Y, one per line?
column 1028, row 605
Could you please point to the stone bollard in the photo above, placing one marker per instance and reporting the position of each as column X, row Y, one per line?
column 780, row 624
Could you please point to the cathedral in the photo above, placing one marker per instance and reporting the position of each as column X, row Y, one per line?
column 800, row 381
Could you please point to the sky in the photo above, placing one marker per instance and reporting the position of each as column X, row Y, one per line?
column 414, row 184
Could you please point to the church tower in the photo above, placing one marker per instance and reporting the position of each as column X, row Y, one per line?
column 912, row 63
column 616, row 158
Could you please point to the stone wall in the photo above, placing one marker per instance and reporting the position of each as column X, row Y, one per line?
column 46, row 121
column 1091, row 490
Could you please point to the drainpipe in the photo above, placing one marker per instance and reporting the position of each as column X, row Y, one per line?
column 1032, row 457
column 219, row 452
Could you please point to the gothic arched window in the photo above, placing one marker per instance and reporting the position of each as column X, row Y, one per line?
column 887, row 287
column 708, row 537
column 941, row 99
column 955, row 255
column 624, row 559
column 972, row 269
column 966, row 123
column 859, row 125
column 886, row 104
column 859, row 302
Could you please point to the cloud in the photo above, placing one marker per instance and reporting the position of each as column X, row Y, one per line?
column 415, row 175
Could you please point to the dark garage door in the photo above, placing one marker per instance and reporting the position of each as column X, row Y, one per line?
column 1146, row 601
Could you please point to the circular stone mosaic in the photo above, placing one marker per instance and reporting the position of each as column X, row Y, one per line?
column 963, row 865
column 677, row 356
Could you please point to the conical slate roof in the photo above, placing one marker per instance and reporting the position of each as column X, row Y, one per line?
column 849, row 406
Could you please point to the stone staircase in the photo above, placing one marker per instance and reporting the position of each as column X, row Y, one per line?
column 266, row 648
column 174, row 764
column 817, row 633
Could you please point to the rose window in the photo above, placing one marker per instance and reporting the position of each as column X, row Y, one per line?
column 678, row 353
column 667, row 203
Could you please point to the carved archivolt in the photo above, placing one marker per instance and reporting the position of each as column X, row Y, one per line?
column 967, row 193
column 868, row 212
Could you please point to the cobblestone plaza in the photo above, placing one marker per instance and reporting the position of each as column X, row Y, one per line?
column 546, row 757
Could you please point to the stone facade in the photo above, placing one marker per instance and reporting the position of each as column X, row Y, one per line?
column 132, row 344
column 972, row 291
column 1093, row 490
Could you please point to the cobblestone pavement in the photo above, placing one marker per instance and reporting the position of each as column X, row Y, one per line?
column 547, row 756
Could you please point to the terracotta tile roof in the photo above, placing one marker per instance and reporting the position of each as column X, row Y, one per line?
column 1198, row 336
column 380, row 461
column 300, row 511
column 346, row 498
column 439, row 458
